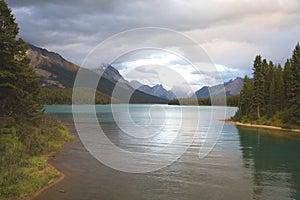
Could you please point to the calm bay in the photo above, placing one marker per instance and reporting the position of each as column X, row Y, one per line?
column 235, row 163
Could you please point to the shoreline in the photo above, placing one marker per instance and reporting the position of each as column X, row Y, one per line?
column 58, row 179
column 54, row 182
column 261, row 126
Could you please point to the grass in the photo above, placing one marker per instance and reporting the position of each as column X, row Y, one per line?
column 23, row 157
column 36, row 175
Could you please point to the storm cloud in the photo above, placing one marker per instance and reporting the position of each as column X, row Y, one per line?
column 232, row 32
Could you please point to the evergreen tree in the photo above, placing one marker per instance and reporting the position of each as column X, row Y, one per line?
column 274, row 93
column 268, row 77
column 271, row 106
column 279, row 89
column 271, row 89
column 287, row 74
column 246, row 98
column 258, row 85
column 265, row 67
column 295, row 84
column 19, row 88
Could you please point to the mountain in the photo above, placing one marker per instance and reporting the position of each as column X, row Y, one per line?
column 111, row 74
column 232, row 87
column 157, row 90
column 53, row 70
column 135, row 84
column 56, row 72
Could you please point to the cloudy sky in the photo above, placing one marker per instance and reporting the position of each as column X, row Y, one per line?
column 231, row 32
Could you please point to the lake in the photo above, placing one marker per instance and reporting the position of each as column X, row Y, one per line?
column 171, row 152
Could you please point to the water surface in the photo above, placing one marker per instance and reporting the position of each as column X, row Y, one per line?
column 245, row 163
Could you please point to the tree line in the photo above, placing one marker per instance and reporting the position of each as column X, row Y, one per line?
column 272, row 97
column 217, row 101
column 64, row 96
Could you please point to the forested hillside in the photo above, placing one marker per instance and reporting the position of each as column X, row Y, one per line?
column 64, row 96
column 273, row 97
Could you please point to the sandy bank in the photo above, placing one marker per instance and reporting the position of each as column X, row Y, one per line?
column 261, row 126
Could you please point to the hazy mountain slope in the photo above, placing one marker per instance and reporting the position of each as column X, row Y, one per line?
column 157, row 90
column 53, row 70
column 56, row 72
column 135, row 84
column 235, row 86
column 232, row 87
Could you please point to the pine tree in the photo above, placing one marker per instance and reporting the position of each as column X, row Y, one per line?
column 271, row 106
column 19, row 88
column 258, row 85
column 279, row 89
column 268, row 77
column 246, row 98
column 295, row 84
column 271, row 89
column 265, row 66
column 274, row 93
column 287, row 74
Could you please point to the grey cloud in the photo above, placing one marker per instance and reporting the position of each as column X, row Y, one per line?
column 146, row 69
column 136, row 54
column 180, row 15
column 232, row 32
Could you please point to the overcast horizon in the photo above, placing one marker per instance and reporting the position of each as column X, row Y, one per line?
column 231, row 32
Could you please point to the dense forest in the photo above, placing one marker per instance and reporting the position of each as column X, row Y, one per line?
column 273, row 96
column 25, row 134
column 220, row 101
column 64, row 96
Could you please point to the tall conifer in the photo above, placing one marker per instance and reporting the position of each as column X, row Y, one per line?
column 19, row 88
column 295, row 84
column 258, row 85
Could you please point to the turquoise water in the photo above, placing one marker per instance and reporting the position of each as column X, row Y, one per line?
column 238, row 163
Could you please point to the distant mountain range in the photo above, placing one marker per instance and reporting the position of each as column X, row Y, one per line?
column 56, row 72
column 232, row 87
column 157, row 90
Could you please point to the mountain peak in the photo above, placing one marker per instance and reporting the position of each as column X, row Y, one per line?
column 157, row 90
column 135, row 84
column 232, row 87
column 158, row 86
column 44, row 52
column 111, row 73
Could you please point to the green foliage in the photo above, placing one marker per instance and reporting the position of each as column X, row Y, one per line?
column 246, row 106
column 295, row 85
column 64, row 96
column 287, row 74
column 233, row 100
column 220, row 101
column 279, row 89
column 19, row 88
column 259, row 71
column 278, row 101
column 24, row 137
column 20, row 148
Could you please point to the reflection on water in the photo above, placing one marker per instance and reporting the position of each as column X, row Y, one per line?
column 274, row 163
column 244, row 164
